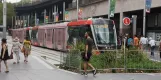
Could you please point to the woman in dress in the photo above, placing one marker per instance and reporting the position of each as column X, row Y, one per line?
column 4, row 54
column 26, row 48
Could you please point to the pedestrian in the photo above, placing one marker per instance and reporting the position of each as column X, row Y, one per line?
column 152, row 45
column 160, row 48
column 26, row 49
column 88, row 53
column 130, row 42
column 143, row 42
column 16, row 47
column 136, row 41
column 4, row 54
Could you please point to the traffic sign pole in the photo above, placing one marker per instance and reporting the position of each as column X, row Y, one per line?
column 4, row 18
column 144, row 18
column 109, row 5
column 77, row 10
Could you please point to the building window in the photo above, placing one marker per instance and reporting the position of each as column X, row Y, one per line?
column 159, row 20
column 151, row 20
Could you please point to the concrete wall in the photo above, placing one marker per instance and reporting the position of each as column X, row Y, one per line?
column 101, row 8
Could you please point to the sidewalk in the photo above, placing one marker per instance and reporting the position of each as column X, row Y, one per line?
column 37, row 69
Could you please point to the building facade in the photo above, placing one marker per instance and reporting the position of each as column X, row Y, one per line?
column 99, row 8
column 124, row 8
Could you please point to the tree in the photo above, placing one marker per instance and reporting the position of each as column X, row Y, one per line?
column 10, row 13
column 24, row 2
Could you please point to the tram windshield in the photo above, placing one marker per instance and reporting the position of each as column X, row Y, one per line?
column 104, row 31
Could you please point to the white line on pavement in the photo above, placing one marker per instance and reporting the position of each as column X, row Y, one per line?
column 151, row 74
column 67, row 71
column 41, row 61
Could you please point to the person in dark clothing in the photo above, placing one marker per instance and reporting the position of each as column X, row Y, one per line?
column 4, row 54
column 88, row 53
column 160, row 48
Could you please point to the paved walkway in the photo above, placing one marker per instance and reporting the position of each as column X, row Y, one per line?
column 37, row 69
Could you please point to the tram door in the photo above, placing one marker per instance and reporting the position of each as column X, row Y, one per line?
column 60, row 38
column 49, row 38
column 41, row 37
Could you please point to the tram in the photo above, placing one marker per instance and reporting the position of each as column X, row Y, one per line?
column 59, row 36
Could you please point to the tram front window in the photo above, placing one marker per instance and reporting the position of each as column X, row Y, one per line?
column 105, row 34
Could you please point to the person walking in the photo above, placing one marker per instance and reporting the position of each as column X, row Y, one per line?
column 88, row 54
column 129, row 42
column 4, row 54
column 26, row 49
column 16, row 47
column 143, row 42
column 160, row 48
column 152, row 45
column 136, row 41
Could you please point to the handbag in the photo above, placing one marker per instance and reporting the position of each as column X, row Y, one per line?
column 22, row 50
column 11, row 55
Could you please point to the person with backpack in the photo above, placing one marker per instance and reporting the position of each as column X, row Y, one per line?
column 26, row 49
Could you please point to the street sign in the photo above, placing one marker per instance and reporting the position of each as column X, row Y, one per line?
column 80, row 14
column 126, row 21
column 112, row 7
column 66, row 15
column 148, row 5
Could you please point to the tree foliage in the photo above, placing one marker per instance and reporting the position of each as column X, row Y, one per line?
column 24, row 2
column 10, row 13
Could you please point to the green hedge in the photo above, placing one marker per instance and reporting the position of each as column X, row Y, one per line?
column 134, row 60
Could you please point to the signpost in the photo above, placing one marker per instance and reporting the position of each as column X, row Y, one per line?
column 126, row 21
column 66, row 15
column 80, row 14
column 148, row 5
column 146, row 9
column 112, row 7
column 4, row 18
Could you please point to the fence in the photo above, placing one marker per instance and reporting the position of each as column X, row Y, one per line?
column 132, row 60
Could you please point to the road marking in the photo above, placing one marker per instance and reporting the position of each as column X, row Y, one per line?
column 67, row 71
column 41, row 61
column 151, row 74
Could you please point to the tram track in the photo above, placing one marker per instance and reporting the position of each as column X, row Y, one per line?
column 46, row 54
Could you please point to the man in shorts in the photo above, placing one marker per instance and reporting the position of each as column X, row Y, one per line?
column 88, row 54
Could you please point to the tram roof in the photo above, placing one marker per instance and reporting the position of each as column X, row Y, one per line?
column 80, row 22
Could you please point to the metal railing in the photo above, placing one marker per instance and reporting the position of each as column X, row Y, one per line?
column 123, row 60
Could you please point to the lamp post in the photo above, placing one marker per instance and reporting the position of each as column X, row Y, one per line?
column 4, row 18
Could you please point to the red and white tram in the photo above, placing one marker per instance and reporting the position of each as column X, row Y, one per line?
column 59, row 36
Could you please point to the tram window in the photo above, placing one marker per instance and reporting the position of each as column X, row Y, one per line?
column 27, row 34
column 33, row 33
column 78, row 32
column 53, row 36
column 49, row 34
column 73, row 33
